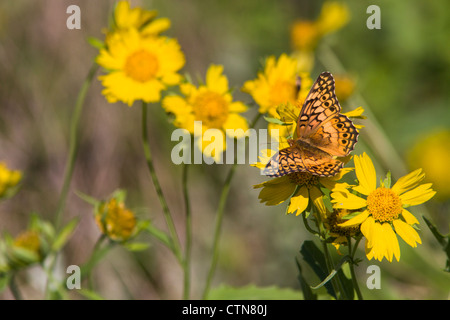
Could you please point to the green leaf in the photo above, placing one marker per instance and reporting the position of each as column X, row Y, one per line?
column 350, row 215
column 276, row 121
column 252, row 292
column 4, row 281
column 92, row 201
column 95, row 42
column 136, row 246
column 160, row 235
column 306, row 288
column 444, row 241
column 64, row 235
column 316, row 260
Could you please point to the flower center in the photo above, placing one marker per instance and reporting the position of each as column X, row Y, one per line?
column 211, row 108
column 384, row 205
column 304, row 178
column 141, row 66
column 282, row 92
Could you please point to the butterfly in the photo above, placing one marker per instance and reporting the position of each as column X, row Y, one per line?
column 322, row 135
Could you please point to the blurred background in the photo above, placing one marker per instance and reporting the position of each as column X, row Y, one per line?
column 401, row 76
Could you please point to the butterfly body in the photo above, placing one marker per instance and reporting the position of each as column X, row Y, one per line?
column 323, row 134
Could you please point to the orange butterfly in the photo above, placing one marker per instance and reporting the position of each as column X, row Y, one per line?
column 322, row 135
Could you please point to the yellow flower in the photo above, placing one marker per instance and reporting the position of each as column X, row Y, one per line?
column 139, row 67
column 333, row 16
column 277, row 84
column 138, row 18
column 383, row 208
column 305, row 34
column 115, row 220
column 345, row 87
column 28, row 240
column 9, row 179
column 212, row 104
column 432, row 153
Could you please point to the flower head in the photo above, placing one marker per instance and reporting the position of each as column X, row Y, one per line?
column 9, row 179
column 276, row 84
column 305, row 34
column 383, row 209
column 432, row 153
column 139, row 67
column 211, row 104
column 115, row 220
column 125, row 18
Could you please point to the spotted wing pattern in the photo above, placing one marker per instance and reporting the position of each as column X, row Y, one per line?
column 322, row 135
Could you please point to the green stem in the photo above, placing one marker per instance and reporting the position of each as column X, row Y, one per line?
column 14, row 288
column 219, row 217
column 326, row 253
column 218, row 228
column 154, row 177
column 187, row 257
column 73, row 144
column 352, row 269
column 70, row 164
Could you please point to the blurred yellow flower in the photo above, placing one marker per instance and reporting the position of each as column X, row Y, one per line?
column 115, row 220
column 137, row 18
column 28, row 240
column 305, row 34
column 212, row 104
column 432, row 153
column 383, row 208
column 139, row 67
column 277, row 84
column 9, row 179
column 345, row 86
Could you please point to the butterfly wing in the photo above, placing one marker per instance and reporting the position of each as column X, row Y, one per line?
column 320, row 123
column 297, row 159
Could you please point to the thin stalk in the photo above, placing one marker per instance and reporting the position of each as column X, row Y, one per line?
column 219, row 217
column 70, row 164
column 14, row 288
column 352, row 269
column 73, row 144
column 154, row 177
column 218, row 228
column 188, row 250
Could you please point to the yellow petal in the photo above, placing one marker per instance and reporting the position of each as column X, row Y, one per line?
column 347, row 200
column 367, row 229
column 300, row 201
column 215, row 81
column 409, row 218
column 409, row 181
column 418, row 195
column 407, row 233
column 360, row 218
column 365, row 172
column 392, row 246
column 157, row 26
column 317, row 199
column 237, row 107
column 235, row 122
column 357, row 113
column 276, row 191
